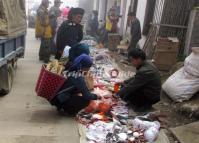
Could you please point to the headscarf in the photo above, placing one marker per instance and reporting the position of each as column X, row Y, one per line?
column 75, row 11
column 77, row 50
column 81, row 62
column 65, row 12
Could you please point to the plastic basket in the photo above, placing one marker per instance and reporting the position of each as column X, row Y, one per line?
column 48, row 84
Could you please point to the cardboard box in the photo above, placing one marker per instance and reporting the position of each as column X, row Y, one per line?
column 113, row 41
column 166, row 53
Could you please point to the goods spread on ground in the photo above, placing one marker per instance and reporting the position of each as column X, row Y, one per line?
column 108, row 120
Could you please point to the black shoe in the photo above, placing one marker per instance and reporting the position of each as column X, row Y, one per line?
column 143, row 109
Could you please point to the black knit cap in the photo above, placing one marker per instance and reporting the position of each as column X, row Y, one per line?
column 75, row 11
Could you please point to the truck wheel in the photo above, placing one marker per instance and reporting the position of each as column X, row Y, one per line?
column 10, row 77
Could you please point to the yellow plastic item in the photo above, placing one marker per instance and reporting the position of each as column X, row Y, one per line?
column 109, row 25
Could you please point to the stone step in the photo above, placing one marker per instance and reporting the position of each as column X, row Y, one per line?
column 188, row 133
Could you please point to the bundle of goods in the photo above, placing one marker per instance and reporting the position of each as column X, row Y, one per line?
column 12, row 18
column 50, row 80
column 55, row 67
column 138, row 130
column 183, row 84
column 166, row 52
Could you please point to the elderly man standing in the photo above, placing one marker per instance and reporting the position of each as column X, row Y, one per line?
column 44, row 31
column 54, row 13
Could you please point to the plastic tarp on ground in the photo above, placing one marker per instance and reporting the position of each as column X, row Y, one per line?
column 12, row 17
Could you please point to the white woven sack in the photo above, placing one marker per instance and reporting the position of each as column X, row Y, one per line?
column 181, row 86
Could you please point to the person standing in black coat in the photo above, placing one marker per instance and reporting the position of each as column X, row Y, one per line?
column 70, row 32
column 135, row 30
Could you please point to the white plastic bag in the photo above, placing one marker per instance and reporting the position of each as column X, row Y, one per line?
column 191, row 64
column 151, row 128
column 138, row 123
column 151, row 134
column 66, row 52
column 181, row 86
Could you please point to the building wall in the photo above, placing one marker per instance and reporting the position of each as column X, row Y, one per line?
column 124, row 9
column 192, row 37
column 141, row 7
column 102, row 9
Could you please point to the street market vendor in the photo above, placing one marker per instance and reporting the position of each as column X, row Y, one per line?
column 142, row 90
column 76, row 95
column 77, row 50
column 70, row 32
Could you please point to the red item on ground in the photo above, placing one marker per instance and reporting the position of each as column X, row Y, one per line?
column 117, row 87
column 92, row 107
column 104, row 107
column 48, row 84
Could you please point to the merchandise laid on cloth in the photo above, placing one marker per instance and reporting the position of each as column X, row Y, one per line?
column 107, row 120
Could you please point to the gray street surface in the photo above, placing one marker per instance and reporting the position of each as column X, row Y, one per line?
column 26, row 118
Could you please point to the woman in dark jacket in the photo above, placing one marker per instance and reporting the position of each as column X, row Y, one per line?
column 70, row 32
column 75, row 95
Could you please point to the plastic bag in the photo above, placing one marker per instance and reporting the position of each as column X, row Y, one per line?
column 104, row 107
column 151, row 128
column 181, row 86
column 92, row 107
column 151, row 134
column 138, row 123
column 191, row 64
column 66, row 52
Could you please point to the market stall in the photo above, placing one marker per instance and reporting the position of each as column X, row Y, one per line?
column 108, row 120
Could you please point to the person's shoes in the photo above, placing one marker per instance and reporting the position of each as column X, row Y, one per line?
column 62, row 112
column 141, row 109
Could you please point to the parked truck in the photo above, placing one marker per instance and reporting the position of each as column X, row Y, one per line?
column 12, row 40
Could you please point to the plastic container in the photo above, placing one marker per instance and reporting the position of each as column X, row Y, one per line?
column 48, row 84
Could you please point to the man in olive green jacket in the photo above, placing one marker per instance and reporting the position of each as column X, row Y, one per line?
column 142, row 90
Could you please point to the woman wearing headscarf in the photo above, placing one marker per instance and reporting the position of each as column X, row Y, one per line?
column 70, row 32
column 77, row 50
column 75, row 94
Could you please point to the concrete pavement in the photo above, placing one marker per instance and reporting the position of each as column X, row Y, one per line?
column 187, row 133
column 26, row 118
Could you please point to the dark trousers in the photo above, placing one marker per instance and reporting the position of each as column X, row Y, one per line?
column 75, row 104
column 140, row 99
column 68, row 100
column 45, row 49
column 71, row 104
column 132, row 45
column 58, row 55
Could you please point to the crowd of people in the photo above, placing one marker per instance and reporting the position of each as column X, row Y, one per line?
column 58, row 29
